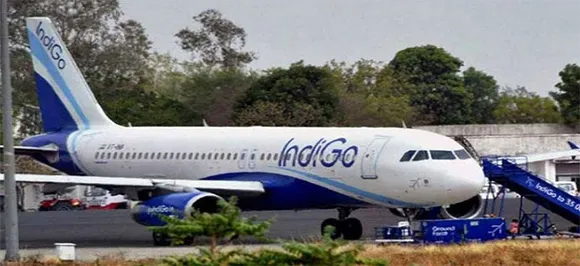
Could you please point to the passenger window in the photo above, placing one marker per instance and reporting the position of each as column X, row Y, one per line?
column 462, row 154
column 253, row 156
column 171, row 156
column 203, row 156
column 134, row 155
column 442, row 155
column 229, row 156
column 158, row 155
column 208, row 156
column 177, row 155
column 120, row 156
column 262, row 157
column 114, row 155
column 190, row 155
column 222, row 156
column 146, row 156
column 269, row 156
column 235, row 156
column 97, row 155
column 108, row 155
column 140, row 154
column 242, row 156
column 275, row 156
column 215, row 156
column 421, row 155
column 196, row 155
column 165, row 156
column 407, row 156
column 102, row 155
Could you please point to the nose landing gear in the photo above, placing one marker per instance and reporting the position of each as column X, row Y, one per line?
column 348, row 228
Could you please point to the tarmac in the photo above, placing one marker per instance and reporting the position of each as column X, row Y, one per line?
column 111, row 232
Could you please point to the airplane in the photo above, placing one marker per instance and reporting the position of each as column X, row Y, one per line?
column 172, row 170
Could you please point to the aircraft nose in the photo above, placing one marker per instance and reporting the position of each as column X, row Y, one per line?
column 468, row 179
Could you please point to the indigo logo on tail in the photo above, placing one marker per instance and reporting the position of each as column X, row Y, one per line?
column 327, row 153
column 53, row 48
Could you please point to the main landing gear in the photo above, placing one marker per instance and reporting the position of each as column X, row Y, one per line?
column 348, row 228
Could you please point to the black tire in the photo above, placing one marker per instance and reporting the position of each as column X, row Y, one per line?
column 63, row 206
column 160, row 239
column 351, row 229
column 334, row 223
column 122, row 205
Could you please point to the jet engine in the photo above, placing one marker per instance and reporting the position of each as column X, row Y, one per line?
column 467, row 209
column 180, row 205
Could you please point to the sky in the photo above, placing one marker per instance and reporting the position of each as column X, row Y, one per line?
column 520, row 43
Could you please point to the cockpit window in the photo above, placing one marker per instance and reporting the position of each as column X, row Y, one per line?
column 462, row 154
column 407, row 156
column 442, row 155
column 421, row 155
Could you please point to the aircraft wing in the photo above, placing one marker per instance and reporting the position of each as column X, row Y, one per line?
column 220, row 187
column 551, row 155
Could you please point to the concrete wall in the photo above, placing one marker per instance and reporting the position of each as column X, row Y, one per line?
column 502, row 129
column 512, row 139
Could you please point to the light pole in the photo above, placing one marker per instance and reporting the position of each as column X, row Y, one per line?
column 10, row 203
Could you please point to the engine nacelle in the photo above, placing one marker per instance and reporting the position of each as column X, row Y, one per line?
column 468, row 209
column 180, row 205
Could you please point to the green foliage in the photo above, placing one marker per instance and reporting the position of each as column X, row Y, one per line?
column 568, row 96
column 226, row 224
column 437, row 93
column 371, row 94
column 303, row 95
column 521, row 106
column 485, row 93
column 219, row 42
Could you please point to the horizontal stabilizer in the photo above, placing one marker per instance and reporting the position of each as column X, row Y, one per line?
column 23, row 150
column 220, row 187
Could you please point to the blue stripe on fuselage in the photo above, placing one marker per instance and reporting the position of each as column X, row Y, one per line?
column 285, row 192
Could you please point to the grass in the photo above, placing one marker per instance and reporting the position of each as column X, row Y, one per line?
column 516, row 252
column 543, row 252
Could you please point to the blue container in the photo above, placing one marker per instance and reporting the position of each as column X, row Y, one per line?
column 462, row 230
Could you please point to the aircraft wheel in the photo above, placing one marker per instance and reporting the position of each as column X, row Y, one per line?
column 351, row 229
column 334, row 223
column 160, row 239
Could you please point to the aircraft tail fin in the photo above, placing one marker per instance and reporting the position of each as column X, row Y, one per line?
column 66, row 100
column 573, row 145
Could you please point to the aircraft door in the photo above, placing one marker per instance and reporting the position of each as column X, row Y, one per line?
column 242, row 159
column 253, row 156
column 371, row 156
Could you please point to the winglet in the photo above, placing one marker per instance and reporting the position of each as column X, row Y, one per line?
column 573, row 145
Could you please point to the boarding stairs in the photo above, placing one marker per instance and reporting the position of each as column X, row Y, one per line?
column 511, row 174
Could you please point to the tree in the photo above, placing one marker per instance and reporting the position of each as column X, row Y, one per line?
column 304, row 95
column 213, row 92
column 568, row 96
column 485, row 93
column 219, row 42
column 521, row 106
column 437, row 91
column 371, row 95
column 226, row 224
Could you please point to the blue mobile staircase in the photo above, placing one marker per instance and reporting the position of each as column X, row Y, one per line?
column 510, row 174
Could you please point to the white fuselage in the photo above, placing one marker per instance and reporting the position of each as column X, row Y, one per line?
column 366, row 166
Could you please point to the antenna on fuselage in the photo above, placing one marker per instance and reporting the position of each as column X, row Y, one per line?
column 403, row 124
column 205, row 123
